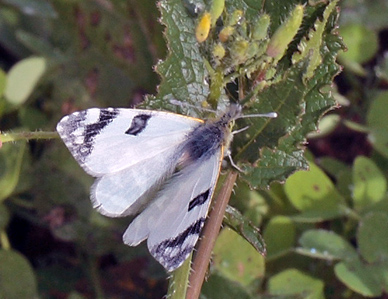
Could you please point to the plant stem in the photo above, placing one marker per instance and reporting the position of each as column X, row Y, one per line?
column 209, row 236
column 94, row 276
column 9, row 137
column 178, row 281
column 4, row 241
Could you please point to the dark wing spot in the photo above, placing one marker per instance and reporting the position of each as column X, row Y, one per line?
column 139, row 123
column 170, row 258
column 105, row 118
column 199, row 200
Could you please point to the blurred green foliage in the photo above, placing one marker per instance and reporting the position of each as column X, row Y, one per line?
column 325, row 229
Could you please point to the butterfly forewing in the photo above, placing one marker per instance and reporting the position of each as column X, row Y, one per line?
column 130, row 151
column 110, row 140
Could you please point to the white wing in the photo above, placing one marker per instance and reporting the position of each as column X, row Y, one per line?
column 130, row 151
column 172, row 223
column 109, row 140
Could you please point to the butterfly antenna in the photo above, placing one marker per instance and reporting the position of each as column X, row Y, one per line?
column 184, row 104
column 269, row 114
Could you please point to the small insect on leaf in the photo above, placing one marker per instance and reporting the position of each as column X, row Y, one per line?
column 238, row 51
column 203, row 28
column 218, row 53
column 260, row 29
column 236, row 17
column 225, row 33
column 216, row 10
column 233, row 20
column 285, row 33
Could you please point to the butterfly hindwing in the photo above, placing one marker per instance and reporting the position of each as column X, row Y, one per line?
column 173, row 221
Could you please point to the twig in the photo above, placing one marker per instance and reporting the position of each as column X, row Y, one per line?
column 16, row 136
column 209, row 236
column 178, row 281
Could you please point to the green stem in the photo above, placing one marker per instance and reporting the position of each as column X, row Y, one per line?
column 178, row 281
column 10, row 137
column 209, row 236
column 95, row 277
column 4, row 241
column 351, row 214
column 24, row 204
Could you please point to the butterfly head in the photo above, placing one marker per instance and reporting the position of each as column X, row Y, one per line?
column 227, row 119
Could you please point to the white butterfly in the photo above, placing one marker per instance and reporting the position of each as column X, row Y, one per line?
column 140, row 154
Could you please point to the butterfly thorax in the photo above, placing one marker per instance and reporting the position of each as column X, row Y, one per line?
column 209, row 137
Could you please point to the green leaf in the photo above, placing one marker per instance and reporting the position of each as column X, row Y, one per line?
column 381, row 274
column 32, row 118
column 362, row 43
column 326, row 245
column 285, row 33
column 299, row 107
column 4, row 216
column 369, row 13
column 381, row 206
column 183, row 72
column 372, row 237
column 327, row 125
column 279, row 235
column 378, row 123
column 235, row 259
column 262, row 135
column 236, row 221
column 342, row 174
column 269, row 149
column 250, row 202
column 359, row 278
column 38, row 8
column 219, row 287
column 17, row 279
column 3, row 81
column 368, row 278
column 370, row 185
column 293, row 282
column 40, row 45
column 318, row 199
column 23, row 78
column 333, row 166
column 310, row 45
column 11, row 158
